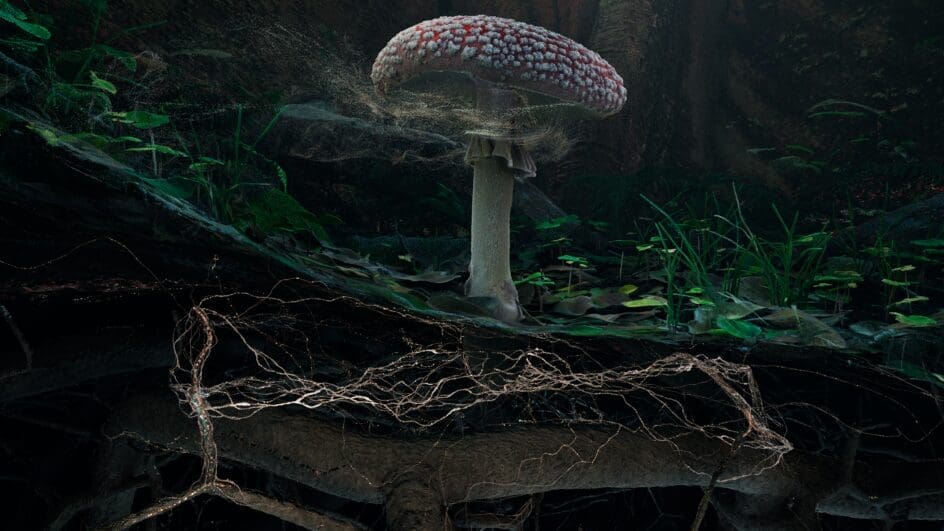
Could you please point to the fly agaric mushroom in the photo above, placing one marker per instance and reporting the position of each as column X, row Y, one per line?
column 507, row 65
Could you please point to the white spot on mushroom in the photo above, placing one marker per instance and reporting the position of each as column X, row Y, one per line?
column 514, row 49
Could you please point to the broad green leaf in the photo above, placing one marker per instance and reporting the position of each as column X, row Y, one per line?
column 628, row 289
column 649, row 301
column 48, row 135
column 573, row 260
column 103, row 84
column 204, row 163
column 699, row 301
column 914, row 321
column 536, row 279
column 18, row 19
column 739, row 329
column 141, row 119
column 839, row 276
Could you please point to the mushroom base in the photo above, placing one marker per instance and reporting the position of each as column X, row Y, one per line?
column 490, row 269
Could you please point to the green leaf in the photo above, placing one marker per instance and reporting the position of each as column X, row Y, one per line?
column 800, row 148
column 573, row 260
column 158, row 148
column 132, row 139
column 68, row 94
column 758, row 151
column 18, row 19
column 936, row 242
column 204, row 163
column 557, row 223
column 48, row 135
column 536, row 279
column 895, row 283
column 739, row 329
column 700, row 301
column 649, row 301
column 141, row 119
column 125, row 58
column 816, row 237
column 283, row 177
column 103, row 84
column 839, row 276
column 910, row 300
column 55, row 139
column 914, row 321
column 628, row 289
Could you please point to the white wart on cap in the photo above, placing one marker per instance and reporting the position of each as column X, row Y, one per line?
column 502, row 51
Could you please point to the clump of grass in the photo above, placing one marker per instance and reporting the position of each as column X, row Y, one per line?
column 788, row 266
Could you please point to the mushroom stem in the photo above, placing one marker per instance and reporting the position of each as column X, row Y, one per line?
column 493, row 187
column 496, row 162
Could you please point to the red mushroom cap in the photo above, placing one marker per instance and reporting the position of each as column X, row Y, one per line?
column 503, row 51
